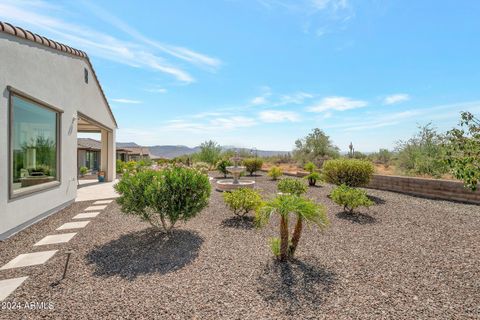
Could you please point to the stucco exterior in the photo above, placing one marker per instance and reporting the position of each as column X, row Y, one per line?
column 56, row 78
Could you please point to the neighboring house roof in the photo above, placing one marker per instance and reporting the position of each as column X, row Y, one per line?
column 28, row 35
column 92, row 144
column 89, row 144
column 142, row 151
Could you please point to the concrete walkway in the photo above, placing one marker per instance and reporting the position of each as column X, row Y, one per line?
column 93, row 190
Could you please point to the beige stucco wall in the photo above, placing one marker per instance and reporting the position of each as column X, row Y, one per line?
column 55, row 78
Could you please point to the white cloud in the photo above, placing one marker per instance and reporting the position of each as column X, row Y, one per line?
column 258, row 101
column 396, row 98
column 337, row 104
column 157, row 90
column 38, row 16
column 127, row 101
column 213, row 125
column 279, row 116
column 176, row 51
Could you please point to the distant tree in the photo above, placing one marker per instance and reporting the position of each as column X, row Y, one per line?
column 209, row 152
column 315, row 147
column 463, row 151
column 423, row 153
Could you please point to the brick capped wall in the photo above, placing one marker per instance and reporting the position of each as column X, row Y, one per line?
column 430, row 188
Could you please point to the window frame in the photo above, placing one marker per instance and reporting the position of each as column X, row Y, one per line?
column 16, row 194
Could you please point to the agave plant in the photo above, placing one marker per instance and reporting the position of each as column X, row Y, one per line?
column 285, row 206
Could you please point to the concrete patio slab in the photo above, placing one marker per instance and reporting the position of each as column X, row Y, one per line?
column 93, row 190
column 95, row 208
column 29, row 259
column 56, row 238
column 86, row 215
column 103, row 201
column 73, row 225
column 9, row 285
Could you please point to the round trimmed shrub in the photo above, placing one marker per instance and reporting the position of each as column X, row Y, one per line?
column 351, row 172
column 275, row 173
column 253, row 165
column 292, row 186
column 242, row 201
column 350, row 198
column 164, row 197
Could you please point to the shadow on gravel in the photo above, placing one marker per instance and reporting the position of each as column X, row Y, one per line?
column 360, row 218
column 376, row 200
column 239, row 222
column 144, row 252
column 296, row 285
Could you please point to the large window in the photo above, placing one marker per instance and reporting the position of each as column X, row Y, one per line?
column 33, row 146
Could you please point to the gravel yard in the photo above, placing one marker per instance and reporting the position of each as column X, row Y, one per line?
column 405, row 258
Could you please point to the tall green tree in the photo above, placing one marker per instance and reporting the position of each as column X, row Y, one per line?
column 463, row 150
column 209, row 152
column 315, row 147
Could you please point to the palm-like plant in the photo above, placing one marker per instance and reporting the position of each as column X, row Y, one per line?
column 284, row 206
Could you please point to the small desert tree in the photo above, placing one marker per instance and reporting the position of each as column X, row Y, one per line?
column 284, row 206
column 209, row 152
column 315, row 147
column 164, row 197
column 463, row 151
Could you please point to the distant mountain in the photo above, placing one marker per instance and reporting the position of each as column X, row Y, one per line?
column 127, row 145
column 170, row 152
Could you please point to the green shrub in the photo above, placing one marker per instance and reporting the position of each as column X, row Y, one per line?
column 313, row 178
column 275, row 172
column 164, row 197
column 242, row 201
column 463, row 151
column 83, row 170
column 253, row 165
column 351, row 172
column 310, row 167
column 120, row 166
column 350, row 198
column 222, row 166
column 292, row 186
column 275, row 246
column 203, row 167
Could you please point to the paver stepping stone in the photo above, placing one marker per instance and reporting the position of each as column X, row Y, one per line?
column 9, row 285
column 103, row 201
column 86, row 215
column 29, row 259
column 56, row 238
column 73, row 225
column 95, row 208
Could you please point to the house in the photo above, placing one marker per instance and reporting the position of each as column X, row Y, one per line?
column 137, row 153
column 50, row 92
column 89, row 155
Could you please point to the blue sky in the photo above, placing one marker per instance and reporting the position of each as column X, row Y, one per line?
column 262, row 73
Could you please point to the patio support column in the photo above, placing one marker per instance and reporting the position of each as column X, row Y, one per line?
column 107, row 155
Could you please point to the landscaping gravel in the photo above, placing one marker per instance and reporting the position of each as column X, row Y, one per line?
column 405, row 258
